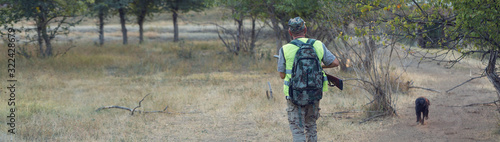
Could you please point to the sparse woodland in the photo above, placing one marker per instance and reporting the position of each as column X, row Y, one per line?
column 202, row 70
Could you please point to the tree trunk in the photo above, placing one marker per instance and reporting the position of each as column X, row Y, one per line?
column 345, row 60
column 286, row 35
column 274, row 23
column 342, row 55
column 176, row 27
column 141, row 33
column 369, row 49
column 140, row 20
column 121, row 12
column 39, row 37
column 490, row 71
column 100, row 15
column 40, row 22
column 238, row 34
column 48, row 45
column 42, row 34
column 253, row 37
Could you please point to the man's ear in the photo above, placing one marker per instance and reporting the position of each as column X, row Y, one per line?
column 290, row 32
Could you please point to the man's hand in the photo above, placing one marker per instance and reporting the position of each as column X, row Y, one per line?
column 282, row 75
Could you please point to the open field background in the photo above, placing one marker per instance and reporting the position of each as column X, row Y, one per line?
column 215, row 96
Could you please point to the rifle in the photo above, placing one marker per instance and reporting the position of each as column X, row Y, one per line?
column 332, row 80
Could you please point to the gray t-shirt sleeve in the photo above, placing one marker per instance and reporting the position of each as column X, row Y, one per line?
column 328, row 57
column 281, row 61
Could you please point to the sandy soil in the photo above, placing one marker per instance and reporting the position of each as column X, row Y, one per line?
column 447, row 120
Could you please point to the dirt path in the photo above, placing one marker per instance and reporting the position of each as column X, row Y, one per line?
column 446, row 122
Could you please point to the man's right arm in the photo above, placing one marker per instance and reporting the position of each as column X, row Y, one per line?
column 329, row 57
column 335, row 63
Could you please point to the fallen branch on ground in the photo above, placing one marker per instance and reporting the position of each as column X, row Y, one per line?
column 372, row 117
column 428, row 89
column 134, row 109
column 340, row 114
column 478, row 104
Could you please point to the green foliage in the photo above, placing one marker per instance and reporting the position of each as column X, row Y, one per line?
column 184, row 5
column 145, row 7
column 43, row 13
column 31, row 9
column 241, row 8
column 302, row 8
column 107, row 6
column 477, row 20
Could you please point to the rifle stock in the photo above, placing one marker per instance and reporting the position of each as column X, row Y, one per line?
column 334, row 81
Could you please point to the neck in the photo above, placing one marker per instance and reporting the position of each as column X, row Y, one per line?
column 299, row 36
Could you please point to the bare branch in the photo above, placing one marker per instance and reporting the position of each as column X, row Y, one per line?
column 372, row 117
column 108, row 107
column 428, row 89
column 139, row 104
column 426, row 15
column 359, row 79
column 477, row 104
column 134, row 109
column 465, row 82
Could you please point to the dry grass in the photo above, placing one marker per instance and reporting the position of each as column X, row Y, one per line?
column 212, row 96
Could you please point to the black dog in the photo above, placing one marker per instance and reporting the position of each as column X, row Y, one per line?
column 422, row 106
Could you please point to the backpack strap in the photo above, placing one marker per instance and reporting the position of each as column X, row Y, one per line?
column 311, row 41
column 297, row 42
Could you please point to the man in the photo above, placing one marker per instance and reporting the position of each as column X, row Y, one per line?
column 302, row 118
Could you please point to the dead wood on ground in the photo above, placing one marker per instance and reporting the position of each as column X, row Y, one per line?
column 135, row 108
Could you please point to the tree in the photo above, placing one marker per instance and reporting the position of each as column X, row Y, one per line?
column 477, row 22
column 43, row 13
column 333, row 21
column 105, row 8
column 182, row 6
column 121, row 6
column 351, row 27
column 141, row 9
column 100, row 8
column 241, row 10
column 458, row 26
column 279, row 12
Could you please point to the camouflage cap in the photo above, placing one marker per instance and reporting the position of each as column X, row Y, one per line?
column 296, row 24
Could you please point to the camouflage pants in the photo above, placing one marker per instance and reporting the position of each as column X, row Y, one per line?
column 302, row 121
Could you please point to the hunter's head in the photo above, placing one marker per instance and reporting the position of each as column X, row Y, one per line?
column 297, row 27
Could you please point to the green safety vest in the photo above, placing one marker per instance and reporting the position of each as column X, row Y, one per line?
column 289, row 51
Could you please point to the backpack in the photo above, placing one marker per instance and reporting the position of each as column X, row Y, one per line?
column 306, row 83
